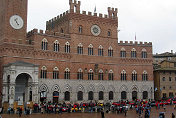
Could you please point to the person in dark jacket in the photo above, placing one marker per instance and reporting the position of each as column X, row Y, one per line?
column 102, row 114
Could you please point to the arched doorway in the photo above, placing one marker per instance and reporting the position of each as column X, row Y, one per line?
column 80, row 95
column 123, row 95
column 90, row 95
column 134, row 95
column 55, row 97
column 23, row 91
column 145, row 95
column 67, row 96
column 101, row 95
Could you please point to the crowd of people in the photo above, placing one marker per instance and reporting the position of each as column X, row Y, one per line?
column 120, row 107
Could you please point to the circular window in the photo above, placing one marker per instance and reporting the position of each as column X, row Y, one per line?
column 95, row 30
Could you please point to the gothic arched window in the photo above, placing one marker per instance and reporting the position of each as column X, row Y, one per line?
column 56, row 46
column 123, row 75
column 133, row 53
column 134, row 76
column 90, row 49
column 55, row 73
column 110, row 52
column 43, row 74
column 67, row 73
column 44, row 44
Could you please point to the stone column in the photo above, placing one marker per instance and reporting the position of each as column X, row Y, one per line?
column 35, row 93
column 85, row 96
column 129, row 96
column 11, row 94
column 73, row 97
column 139, row 95
column 61, row 97
column 106, row 97
column 96, row 97
column 117, row 96
column 5, row 93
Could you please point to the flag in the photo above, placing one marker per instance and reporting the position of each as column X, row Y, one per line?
column 95, row 9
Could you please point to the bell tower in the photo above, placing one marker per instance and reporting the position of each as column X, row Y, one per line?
column 13, row 21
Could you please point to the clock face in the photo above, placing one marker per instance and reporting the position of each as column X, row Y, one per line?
column 95, row 29
column 16, row 22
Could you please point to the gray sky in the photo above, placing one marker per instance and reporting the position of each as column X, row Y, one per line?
column 152, row 20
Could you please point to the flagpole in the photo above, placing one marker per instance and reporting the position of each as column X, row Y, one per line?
column 135, row 36
column 95, row 9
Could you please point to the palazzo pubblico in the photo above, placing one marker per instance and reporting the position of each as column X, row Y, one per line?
column 79, row 58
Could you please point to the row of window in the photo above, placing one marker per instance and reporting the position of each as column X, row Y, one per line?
column 170, row 79
column 80, row 74
column 91, row 95
column 170, row 72
column 171, row 95
column 165, row 87
column 91, row 50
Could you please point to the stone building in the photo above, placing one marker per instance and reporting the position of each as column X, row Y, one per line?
column 77, row 59
column 165, row 75
column 170, row 56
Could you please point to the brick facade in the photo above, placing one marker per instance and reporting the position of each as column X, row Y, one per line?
column 65, row 29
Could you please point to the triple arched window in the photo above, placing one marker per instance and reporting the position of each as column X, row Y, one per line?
column 56, row 73
column 133, row 53
column 43, row 73
column 67, row 73
column 110, row 75
column 90, row 49
column 44, row 44
column 80, row 74
column 144, row 76
column 100, row 50
column 56, row 46
column 67, row 47
column 100, row 74
column 144, row 53
column 123, row 52
column 80, row 49
column 90, row 75
column 123, row 75
column 110, row 52
column 134, row 76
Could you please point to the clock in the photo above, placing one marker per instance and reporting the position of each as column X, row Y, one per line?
column 95, row 30
column 16, row 22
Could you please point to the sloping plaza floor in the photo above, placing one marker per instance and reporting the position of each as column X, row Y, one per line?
column 130, row 114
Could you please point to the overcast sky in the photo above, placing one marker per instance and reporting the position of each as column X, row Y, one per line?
column 152, row 20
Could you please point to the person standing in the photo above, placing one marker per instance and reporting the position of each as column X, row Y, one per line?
column 102, row 114
column 173, row 116
column 125, row 112
column 20, row 111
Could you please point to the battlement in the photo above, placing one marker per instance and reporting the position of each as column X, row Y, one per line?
column 112, row 12
column 47, row 32
column 75, row 8
column 135, row 43
column 56, row 19
column 74, row 5
column 95, row 14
